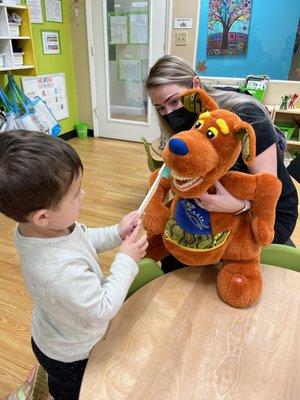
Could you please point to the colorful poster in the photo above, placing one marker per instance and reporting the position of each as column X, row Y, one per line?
column 51, row 89
column 228, row 27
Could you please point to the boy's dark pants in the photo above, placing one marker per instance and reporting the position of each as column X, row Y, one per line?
column 64, row 379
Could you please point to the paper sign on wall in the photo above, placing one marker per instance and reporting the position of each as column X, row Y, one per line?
column 53, row 10
column 35, row 7
column 51, row 89
column 183, row 23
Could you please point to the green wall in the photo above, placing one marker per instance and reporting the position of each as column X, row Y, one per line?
column 56, row 63
column 48, row 64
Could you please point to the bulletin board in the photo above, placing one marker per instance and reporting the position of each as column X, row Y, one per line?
column 51, row 89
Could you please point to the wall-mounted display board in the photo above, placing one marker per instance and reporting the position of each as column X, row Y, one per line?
column 52, row 89
column 16, row 46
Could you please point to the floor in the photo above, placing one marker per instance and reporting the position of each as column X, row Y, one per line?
column 115, row 183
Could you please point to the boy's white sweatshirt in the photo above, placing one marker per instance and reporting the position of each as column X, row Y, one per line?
column 73, row 301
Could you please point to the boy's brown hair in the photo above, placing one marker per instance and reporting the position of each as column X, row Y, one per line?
column 36, row 171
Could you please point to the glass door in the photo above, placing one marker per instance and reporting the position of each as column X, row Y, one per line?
column 128, row 37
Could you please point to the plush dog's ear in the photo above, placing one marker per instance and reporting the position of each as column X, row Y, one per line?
column 198, row 101
column 247, row 135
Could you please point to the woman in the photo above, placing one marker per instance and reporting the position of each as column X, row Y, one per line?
column 170, row 76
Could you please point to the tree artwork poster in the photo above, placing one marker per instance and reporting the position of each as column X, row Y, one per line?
column 228, row 27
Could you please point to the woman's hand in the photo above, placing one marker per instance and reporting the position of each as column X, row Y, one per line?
column 221, row 201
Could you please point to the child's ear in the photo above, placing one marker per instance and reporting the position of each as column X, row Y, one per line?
column 40, row 218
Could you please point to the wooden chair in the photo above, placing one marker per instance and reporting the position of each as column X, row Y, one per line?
column 152, row 163
column 281, row 255
column 148, row 270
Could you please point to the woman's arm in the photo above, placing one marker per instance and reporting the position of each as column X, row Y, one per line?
column 223, row 201
column 265, row 161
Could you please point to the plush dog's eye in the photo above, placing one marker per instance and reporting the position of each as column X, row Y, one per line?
column 199, row 123
column 212, row 132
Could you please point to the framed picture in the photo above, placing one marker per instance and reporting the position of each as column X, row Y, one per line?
column 51, row 42
column 228, row 27
column 53, row 10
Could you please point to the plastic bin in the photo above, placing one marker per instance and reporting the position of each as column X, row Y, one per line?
column 82, row 129
column 259, row 94
column 14, row 29
column 11, row 2
column 18, row 59
column 287, row 127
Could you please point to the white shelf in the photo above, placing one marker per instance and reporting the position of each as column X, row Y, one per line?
column 18, row 67
column 15, row 37
column 8, row 40
column 19, row 6
column 19, row 37
column 293, row 144
column 288, row 111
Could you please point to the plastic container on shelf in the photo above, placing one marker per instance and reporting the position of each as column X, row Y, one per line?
column 82, row 129
column 11, row 2
column 259, row 94
column 18, row 59
column 288, row 127
column 14, row 29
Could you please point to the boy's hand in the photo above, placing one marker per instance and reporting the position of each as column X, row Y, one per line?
column 128, row 223
column 133, row 247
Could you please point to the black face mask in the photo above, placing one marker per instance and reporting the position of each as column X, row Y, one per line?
column 181, row 119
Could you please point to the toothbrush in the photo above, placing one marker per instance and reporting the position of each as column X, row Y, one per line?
column 164, row 172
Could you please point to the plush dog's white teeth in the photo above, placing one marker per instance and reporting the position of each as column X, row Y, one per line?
column 188, row 182
column 178, row 177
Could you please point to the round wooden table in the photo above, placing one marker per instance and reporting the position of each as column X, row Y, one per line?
column 175, row 339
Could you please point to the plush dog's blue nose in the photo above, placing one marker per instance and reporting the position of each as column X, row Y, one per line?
column 178, row 147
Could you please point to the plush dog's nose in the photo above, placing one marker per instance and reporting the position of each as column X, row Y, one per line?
column 178, row 147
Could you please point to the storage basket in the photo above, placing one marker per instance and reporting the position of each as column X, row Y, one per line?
column 18, row 59
column 11, row 2
column 14, row 29
column 82, row 130
column 287, row 127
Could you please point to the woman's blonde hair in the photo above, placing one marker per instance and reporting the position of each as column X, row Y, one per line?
column 170, row 70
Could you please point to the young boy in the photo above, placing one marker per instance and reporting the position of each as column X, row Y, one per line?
column 40, row 188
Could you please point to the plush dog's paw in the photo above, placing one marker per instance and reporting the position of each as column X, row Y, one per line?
column 239, row 285
column 154, row 222
column 263, row 233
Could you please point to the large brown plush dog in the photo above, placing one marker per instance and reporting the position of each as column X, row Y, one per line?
column 197, row 159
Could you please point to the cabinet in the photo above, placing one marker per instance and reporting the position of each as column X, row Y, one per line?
column 12, row 36
column 289, row 115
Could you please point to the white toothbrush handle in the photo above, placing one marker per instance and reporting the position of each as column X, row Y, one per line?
column 150, row 193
